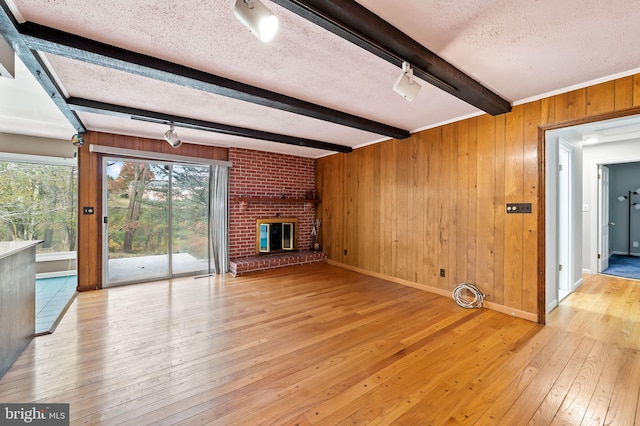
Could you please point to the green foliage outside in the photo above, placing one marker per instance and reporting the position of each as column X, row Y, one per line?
column 39, row 202
column 138, row 209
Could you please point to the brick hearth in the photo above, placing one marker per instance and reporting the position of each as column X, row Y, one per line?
column 243, row 265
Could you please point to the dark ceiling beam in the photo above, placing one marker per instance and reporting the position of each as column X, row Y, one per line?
column 56, row 42
column 96, row 107
column 355, row 23
column 32, row 61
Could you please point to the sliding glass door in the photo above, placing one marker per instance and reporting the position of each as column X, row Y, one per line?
column 156, row 220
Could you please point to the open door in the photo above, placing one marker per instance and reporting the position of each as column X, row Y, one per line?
column 603, row 216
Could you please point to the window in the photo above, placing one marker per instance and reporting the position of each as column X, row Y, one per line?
column 38, row 201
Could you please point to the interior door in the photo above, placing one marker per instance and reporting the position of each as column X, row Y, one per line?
column 603, row 215
column 564, row 222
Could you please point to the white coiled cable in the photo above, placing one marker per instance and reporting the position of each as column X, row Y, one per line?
column 463, row 300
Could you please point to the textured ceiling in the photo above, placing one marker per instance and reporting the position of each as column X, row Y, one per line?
column 519, row 49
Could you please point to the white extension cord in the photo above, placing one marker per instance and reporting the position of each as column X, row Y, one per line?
column 463, row 300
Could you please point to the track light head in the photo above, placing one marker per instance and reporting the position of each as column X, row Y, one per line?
column 258, row 19
column 172, row 137
column 405, row 85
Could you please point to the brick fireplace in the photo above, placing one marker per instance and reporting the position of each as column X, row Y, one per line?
column 265, row 185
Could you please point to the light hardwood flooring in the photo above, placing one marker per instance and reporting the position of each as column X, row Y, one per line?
column 321, row 345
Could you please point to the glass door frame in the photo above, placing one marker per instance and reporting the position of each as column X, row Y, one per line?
column 105, row 231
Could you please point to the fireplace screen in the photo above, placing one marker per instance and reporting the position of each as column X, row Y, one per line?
column 276, row 235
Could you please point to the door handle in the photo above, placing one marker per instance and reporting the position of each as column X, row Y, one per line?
column 611, row 223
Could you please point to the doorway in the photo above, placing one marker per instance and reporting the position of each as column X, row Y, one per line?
column 156, row 220
column 593, row 144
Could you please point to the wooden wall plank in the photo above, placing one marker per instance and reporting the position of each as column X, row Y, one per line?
column 485, row 203
column 351, row 208
column 496, row 294
column 636, row 90
column 600, row 98
column 444, row 207
column 419, row 190
column 571, row 105
column 433, row 141
column 462, row 208
column 454, row 218
column 514, row 193
column 532, row 117
column 473, row 200
column 623, row 88
column 388, row 208
column 404, row 234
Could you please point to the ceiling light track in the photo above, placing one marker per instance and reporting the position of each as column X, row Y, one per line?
column 50, row 40
column 355, row 23
column 96, row 107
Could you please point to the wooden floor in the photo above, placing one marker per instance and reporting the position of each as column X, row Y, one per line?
column 321, row 345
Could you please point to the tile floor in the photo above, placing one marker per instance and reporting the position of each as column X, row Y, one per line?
column 52, row 297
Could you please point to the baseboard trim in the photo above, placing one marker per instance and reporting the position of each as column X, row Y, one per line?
column 440, row 292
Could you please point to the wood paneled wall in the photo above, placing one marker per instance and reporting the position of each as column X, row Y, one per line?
column 90, row 194
column 404, row 209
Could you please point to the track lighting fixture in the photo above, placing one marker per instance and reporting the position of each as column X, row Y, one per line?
column 77, row 140
column 172, row 137
column 258, row 19
column 405, row 85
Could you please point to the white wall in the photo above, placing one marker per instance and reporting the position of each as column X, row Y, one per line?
column 593, row 155
column 33, row 145
column 552, row 141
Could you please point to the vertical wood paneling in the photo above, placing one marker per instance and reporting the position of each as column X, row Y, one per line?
column 496, row 294
column 433, row 141
column 375, row 224
column 462, row 208
column 365, row 201
column 329, row 187
column 444, row 208
column 388, row 209
column 623, row 97
column 514, row 193
column 532, row 116
column 419, row 190
column 600, row 98
column 405, row 172
column 571, row 105
column 473, row 200
column 455, row 219
column 636, row 90
column 351, row 207
column 485, row 202
column 450, row 185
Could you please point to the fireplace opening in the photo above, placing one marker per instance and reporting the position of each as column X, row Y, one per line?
column 276, row 235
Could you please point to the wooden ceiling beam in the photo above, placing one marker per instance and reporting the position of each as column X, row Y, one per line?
column 96, row 107
column 50, row 40
column 355, row 23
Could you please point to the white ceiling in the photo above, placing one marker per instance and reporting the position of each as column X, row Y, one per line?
column 520, row 49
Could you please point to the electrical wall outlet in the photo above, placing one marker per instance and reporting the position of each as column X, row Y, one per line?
column 442, row 273
column 635, row 244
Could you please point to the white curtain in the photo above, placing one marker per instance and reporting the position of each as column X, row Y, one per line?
column 219, row 218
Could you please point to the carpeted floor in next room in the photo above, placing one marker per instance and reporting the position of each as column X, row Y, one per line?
column 624, row 266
